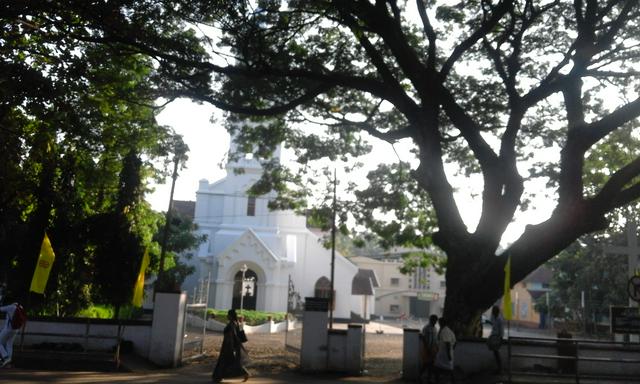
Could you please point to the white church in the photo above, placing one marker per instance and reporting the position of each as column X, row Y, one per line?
column 279, row 257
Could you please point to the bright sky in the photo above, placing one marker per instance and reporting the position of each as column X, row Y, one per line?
column 208, row 144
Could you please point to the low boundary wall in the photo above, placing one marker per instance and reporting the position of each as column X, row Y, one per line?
column 472, row 356
column 215, row 325
column 91, row 334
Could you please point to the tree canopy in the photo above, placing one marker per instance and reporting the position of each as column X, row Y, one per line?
column 584, row 273
column 482, row 85
column 79, row 141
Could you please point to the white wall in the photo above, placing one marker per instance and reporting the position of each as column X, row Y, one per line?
column 137, row 332
column 317, row 263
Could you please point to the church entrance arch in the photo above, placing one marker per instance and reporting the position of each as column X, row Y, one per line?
column 323, row 288
column 249, row 287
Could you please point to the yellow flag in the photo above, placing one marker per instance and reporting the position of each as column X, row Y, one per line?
column 45, row 262
column 506, row 302
column 138, row 290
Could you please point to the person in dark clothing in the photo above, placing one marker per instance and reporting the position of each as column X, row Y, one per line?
column 496, row 336
column 232, row 353
column 429, row 347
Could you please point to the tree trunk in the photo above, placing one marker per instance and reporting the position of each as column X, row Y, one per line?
column 473, row 285
column 475, row 279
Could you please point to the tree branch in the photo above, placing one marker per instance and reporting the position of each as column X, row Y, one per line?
column 499, row 11
column 612, row 194
column 378, row 62
column 469, row 129
column 430, row 33
column 626, row 196
column 271, row 111
column 391, row 33
column 389, row 136
column 597, row 130
column 607, row 38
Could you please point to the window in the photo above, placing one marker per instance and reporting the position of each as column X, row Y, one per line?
column 443, row 284
column 251, row 206
column 395, row 281
column 394, row 308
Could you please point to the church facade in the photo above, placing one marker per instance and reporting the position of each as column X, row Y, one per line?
column 261, row 259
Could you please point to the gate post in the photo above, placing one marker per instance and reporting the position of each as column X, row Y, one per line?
column 411, row 354
column 166, row 329
column 313, row 351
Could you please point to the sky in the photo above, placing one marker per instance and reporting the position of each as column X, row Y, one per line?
column 208, row 143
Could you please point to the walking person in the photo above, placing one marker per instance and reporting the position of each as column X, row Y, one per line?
column 497, row 334
column 232, row 353
column 446, row 345
column 429, row 347
column 14, row 320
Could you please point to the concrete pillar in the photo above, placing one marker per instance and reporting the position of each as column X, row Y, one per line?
column 337, row 348
column 313, row 352
column 165, row 348
column 411, row 354
column 355, row 349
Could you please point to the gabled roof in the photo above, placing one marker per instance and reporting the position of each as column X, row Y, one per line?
column 249, row 234
column 364, row 282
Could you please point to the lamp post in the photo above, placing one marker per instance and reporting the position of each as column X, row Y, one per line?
column 243, row 270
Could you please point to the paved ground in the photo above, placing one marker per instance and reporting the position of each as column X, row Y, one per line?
column 190, row 374
column 271, row 364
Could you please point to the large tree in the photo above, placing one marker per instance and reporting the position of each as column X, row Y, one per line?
column 70, row 114
column 479, row 84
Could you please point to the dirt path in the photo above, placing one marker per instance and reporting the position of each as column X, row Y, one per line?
column 383, row 354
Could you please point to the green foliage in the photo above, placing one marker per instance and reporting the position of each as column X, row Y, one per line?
column 97, row 312
column 181, row 238
column 108, row 312
column 504, row 92
column 584, row 267
column 73, row 116
column 250, row 317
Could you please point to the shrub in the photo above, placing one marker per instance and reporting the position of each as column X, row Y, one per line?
column 250, row 317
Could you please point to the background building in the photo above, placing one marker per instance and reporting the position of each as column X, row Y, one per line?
column 419, row 294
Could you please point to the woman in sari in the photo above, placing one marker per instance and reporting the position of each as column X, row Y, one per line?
column 232, row 353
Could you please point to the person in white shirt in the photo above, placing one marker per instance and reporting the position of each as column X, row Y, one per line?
column 7, row 334
column 446, row 344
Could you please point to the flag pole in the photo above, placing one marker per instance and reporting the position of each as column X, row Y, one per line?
column 333, row 251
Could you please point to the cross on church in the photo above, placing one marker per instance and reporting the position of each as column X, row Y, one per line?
column 631, row 250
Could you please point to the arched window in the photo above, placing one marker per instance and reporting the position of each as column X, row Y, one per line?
column 323, row 288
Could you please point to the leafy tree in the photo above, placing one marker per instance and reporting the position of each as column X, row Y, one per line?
column 181, row 238
column 477, row 85
column 583, row 268
column 70, row 113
